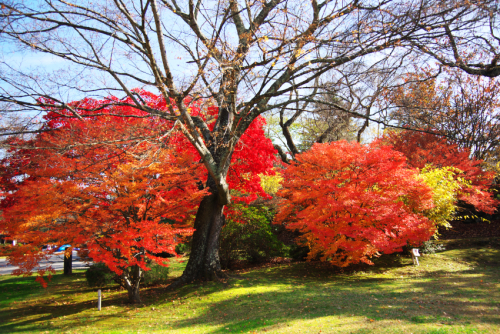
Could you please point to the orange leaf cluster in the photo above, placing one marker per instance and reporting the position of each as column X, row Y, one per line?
column 463, row 107
column 124, row 202
column 354, row 201
column 114, row 183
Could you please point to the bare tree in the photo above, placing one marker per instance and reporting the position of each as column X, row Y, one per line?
column 328, row 123
column 460, row 33
column 342, row 107
column 463, row 108
column 248, row 57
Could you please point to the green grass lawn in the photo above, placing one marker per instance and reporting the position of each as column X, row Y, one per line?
column 455, row 291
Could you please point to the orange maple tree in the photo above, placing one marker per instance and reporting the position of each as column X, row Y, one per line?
column 123, row 186
column 354, row 201
column 111, row 200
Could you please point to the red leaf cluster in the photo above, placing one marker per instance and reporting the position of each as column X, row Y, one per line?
column 421, row 149
column 354, row 201
column 113, row 183
column 110, row 202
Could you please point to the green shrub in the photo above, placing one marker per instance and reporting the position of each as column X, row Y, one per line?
column 99, row 275
column 6, row 249
column 182, row 248
column 157, row 275
column 251, row 237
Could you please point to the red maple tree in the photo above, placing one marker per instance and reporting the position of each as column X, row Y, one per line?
column 354, row 201
column 110, row 200
column 109, row 182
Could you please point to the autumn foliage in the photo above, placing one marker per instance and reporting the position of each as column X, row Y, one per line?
column 446, row 184
column 354, row 201
column 111, row 199
column 123, row 186
column 425, row 149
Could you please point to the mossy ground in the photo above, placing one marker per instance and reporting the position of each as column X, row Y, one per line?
column 456, row 291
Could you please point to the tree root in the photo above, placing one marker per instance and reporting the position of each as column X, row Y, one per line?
column 213, row 276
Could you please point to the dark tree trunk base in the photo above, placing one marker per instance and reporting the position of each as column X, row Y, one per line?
column 134, row 296
column 181, row 281
column 68, row 265
column 130, row 280
column 204, row 262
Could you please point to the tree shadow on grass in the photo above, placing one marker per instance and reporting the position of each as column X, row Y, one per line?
column 19, row 288
column 58, row 310
column 49, row 312
column 310, row 292
column 447, row 301
column 272, row 297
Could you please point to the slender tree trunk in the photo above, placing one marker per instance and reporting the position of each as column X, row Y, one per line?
column 204, row 261
column 131, row 280
column 68, row 264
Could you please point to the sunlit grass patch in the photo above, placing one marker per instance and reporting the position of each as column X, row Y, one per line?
column 456, row 291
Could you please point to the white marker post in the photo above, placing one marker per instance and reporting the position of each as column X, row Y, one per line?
column 414, row 255
column 99, row 299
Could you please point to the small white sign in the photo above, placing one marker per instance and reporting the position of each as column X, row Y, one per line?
column 414, row 255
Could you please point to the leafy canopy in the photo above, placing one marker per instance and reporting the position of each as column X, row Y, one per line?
column 424, row 149
column 116, row 184
column 109, row 199
column 354, row 201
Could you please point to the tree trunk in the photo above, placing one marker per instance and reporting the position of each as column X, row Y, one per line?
column 131, row 280
column 134, row 296
column 68, row 264
column 204, row 262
